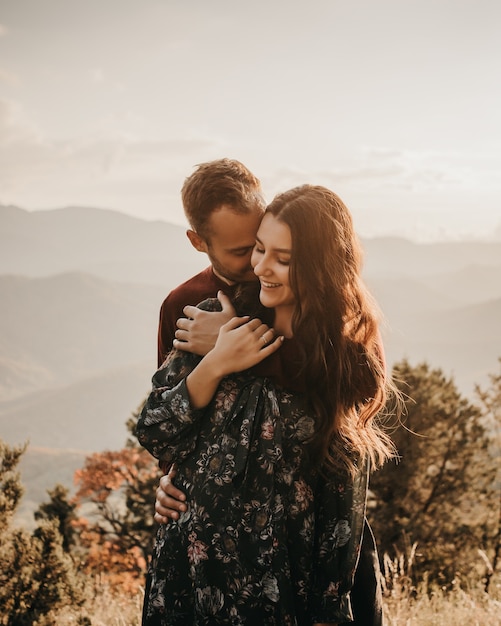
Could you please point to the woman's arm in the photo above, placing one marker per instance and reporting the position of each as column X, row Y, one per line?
column 169, row 421
column 167, row 426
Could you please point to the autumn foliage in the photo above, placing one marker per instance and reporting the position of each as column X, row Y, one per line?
column 116, row 489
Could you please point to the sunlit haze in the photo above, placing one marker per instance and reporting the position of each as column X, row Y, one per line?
column 395, row 105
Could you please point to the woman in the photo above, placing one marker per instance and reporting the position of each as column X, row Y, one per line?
column 274, row 467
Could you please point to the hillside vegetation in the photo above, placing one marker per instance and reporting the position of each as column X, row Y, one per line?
column 436, row 515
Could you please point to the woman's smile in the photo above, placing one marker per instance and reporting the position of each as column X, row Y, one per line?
column 269, row 285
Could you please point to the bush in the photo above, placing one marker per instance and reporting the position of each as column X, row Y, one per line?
column 36, row 575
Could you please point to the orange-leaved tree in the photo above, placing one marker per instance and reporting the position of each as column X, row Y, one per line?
column 116, row 495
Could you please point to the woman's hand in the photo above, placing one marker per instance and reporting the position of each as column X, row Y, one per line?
column 242, row 343
column 170, row 500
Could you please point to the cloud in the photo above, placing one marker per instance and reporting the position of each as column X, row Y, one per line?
column 418, row 171
column 3, row 30
column 419, row 194
column 109, row 169
column 8, row 77
column 397, row 168
column 120, row 167
column 97, row 75
column 381, row 170
column 14, row 125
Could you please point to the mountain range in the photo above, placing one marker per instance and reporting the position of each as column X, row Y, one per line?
column 80, row 292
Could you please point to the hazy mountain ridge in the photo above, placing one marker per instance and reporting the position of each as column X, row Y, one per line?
column 62, row 328
column 69, row 325
column 89, row 414
column 465, row 342
column 81, row 290
column 105, row 243
column 41, row 469
column 474, row 283
column 392, row 256
column 115, row 246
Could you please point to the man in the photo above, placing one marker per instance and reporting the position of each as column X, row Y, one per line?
column 224, row 205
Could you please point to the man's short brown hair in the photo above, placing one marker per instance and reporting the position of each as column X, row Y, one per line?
column 217, row 183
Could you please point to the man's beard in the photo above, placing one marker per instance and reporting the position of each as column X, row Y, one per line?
column 245, row 276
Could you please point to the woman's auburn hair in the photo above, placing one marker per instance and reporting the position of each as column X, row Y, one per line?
column 336, row 324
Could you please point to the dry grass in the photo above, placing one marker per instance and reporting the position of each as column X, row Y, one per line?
column 105, row 609
column 443, row 609
column 404, row 605
column 437, row 608
column 427, row 605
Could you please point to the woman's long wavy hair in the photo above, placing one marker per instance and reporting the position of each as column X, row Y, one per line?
column 336, row 324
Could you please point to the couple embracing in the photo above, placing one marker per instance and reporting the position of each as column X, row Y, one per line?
column 266, row 406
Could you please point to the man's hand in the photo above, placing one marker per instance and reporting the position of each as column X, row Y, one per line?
column 170, row 500
column 198, row 331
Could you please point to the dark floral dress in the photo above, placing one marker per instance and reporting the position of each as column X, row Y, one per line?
column 267, row 539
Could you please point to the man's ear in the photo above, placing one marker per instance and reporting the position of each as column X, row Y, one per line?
column 196, row 241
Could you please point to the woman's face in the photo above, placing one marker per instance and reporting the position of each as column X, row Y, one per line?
column 271, row 259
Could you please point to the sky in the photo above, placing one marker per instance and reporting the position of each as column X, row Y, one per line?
column 393, row 104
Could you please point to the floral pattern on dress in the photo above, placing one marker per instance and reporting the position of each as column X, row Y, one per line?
column 267, row 539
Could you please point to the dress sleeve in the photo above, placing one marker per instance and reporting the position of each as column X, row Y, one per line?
column 168, row 426
column 338, row 535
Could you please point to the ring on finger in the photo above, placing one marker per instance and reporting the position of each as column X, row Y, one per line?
column 264, row 340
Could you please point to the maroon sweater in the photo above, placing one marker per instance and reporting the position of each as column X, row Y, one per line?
column 193, row 291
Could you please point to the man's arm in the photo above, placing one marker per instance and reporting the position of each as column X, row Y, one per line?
column 198, row 331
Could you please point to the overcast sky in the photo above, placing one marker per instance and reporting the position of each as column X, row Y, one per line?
column 393, row 104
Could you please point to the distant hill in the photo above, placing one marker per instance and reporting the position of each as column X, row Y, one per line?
column 104, row 243
column 81, row 289
column 388, row 257
column 88, row 415
column 465, row 342
column 63, row 328
column 115, row 246
column 41, row 469
column 471, row 284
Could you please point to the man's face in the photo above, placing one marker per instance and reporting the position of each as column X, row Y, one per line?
column 230, row 243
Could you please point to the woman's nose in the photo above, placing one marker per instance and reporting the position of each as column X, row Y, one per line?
column 261, row 267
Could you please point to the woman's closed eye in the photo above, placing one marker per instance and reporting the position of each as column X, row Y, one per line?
column 259, row 249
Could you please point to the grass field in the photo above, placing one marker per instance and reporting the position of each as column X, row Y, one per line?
column 435, row 608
